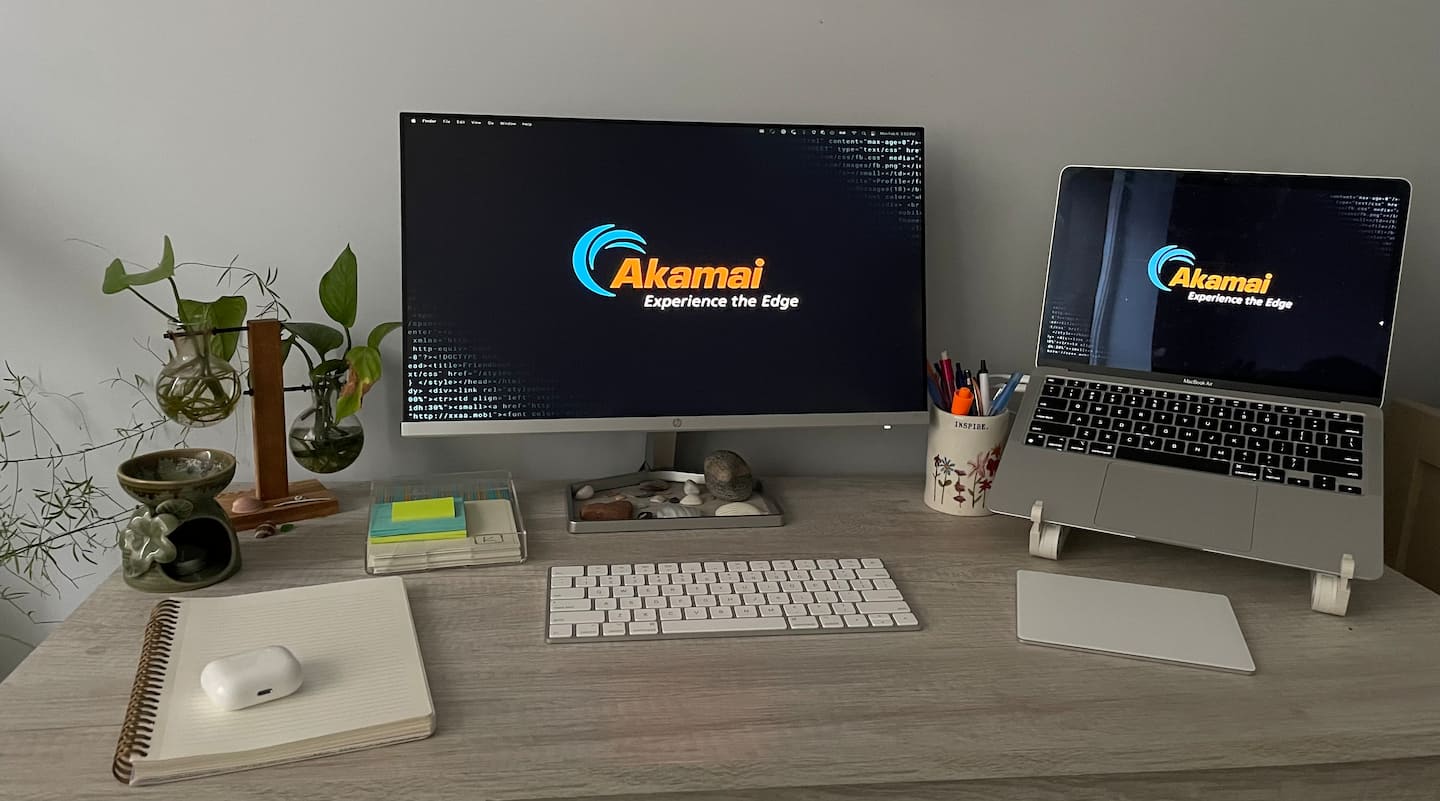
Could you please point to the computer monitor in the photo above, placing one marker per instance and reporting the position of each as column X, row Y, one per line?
column 584, row 275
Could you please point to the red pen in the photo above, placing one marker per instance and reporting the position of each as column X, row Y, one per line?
column 948, row 370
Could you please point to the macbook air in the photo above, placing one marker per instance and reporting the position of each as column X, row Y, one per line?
column 1211, row 363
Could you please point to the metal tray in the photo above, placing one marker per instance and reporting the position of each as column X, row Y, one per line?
column 603, row 486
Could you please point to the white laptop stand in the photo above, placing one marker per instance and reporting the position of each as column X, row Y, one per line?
column 1329, row 592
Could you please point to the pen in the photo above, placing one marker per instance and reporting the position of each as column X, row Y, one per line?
column 982, row 398
column 974, row 390
column 962, row 402
column 948, row 371
column 932, row 385
column 1005, row 392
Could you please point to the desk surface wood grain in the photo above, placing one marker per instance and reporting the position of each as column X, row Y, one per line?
column 1340, row 707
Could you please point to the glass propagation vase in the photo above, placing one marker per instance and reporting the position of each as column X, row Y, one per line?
column 319, row 442
column 196, row 388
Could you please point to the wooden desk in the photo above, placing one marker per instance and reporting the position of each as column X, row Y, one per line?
column 1340, row 708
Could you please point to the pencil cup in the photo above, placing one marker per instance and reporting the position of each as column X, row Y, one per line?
column 962, row 454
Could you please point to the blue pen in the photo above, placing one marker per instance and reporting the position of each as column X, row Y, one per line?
column 1004, row 397
column 935, row 394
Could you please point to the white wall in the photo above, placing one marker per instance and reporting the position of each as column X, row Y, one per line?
column 268, row 130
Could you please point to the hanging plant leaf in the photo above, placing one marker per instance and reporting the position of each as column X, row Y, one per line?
column 380, row 332
column 224, row 312
column 323, row 338
column 364, row 372
column 338, row 289
column 117, row 280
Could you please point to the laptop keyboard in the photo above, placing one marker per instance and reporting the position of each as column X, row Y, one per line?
column 1296, row 445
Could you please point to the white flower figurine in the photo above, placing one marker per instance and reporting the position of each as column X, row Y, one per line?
column 146, row 542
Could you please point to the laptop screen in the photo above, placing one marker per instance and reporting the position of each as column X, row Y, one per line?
column 1278, row 283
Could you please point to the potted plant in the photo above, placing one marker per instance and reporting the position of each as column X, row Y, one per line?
column 198, row 386
column 327, row 437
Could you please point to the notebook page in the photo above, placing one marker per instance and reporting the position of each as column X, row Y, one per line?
column 356, row 644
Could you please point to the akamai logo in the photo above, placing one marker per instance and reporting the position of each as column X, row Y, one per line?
column 601, row 237
column 1192, row 277
column 652, row 275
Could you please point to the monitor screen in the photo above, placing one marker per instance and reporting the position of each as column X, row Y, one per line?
column 569, row 274
column 1285, row 283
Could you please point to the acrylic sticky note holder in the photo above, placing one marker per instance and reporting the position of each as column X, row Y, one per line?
column 412, row 528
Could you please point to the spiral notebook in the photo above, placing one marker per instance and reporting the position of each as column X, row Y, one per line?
column 364, row 682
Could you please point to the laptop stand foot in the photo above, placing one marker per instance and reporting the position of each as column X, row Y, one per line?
column 1330, row 593
column 1046, row 539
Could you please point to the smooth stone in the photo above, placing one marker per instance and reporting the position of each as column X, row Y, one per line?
column 245, row 504
column 585, row 493
column 609, row 510
column 691, row 488
column 659, row 499
column 737, row 509
column 676, row 511
column 728, row 477
column 655, row 485
column 691, row 500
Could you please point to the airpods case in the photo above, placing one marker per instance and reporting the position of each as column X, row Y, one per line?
column 252, row 677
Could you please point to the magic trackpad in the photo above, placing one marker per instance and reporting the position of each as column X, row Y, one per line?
column 1199, row 510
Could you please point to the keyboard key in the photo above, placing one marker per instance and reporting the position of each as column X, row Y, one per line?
column 1296, row 481
column 1174, row 446
column 582, row 605
column 831, row 622
column 1350, row 489
column 857, row 622
column 1293, row 463
column 1102, row 449
column 1269, row 460
column 1172, row 460
column 1346, row 427
column 881, row 621
column 1273, row 474
column 1221, row 452
column 1075, row 446
column 1338, row 455
column 567, row 570
column 612, row 629
column 1323, row 482
column 887, row 607
column 1245, row 471
column 561, row 631
column 1335, row 469
column 1197, row 449
column 695, row 626
column 566, row 593
column 587, row 630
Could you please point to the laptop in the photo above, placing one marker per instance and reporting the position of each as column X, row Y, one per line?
column 1211, row 363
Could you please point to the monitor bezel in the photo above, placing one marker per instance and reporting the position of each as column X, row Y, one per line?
column 1200, row 385
column 653, row 423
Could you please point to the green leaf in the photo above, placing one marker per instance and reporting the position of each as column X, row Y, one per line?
column 117, row 280
column 338, row 289
column 323, row 338
column 380, row 332
column 224, row 312
column 364, row 372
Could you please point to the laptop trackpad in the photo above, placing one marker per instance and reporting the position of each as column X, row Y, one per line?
column 1199, row 510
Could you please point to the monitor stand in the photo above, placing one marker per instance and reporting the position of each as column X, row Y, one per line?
column 659, row 451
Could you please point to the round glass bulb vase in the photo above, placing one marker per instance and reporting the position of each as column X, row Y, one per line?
column 196, row 388
column 319, row 442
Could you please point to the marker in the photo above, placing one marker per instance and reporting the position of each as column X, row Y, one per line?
column 982, row 399
column 963, row 401
column 1006, row 391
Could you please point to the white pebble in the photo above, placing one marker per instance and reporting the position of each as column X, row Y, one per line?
column 585, row 493
column 691, row 500
column 736, row 509
column 691, row 488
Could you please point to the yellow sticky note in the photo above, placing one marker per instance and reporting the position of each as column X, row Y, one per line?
column 424, row 509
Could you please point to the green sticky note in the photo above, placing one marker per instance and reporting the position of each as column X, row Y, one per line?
column 424, row 509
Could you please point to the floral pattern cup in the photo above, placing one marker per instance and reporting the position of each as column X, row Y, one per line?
column 962, row 457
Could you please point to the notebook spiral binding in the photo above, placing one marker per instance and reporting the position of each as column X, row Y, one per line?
column 139, row 724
